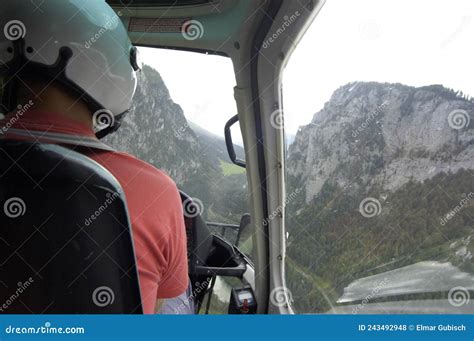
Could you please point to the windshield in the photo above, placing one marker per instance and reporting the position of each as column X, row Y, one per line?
column 176, row 123
column 380, row 159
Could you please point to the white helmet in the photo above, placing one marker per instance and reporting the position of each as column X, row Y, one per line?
column 81, row 44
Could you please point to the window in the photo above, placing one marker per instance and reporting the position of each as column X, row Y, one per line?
column 176, row 123
column 380, row 159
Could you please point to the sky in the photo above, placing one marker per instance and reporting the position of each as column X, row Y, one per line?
column 203, row 85
column 414, row 42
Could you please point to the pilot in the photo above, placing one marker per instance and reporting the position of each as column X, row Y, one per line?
column 69, row 75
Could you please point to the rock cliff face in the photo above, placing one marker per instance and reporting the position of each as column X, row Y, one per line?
column 157, row 131
column 372, row 134
column 387, row 173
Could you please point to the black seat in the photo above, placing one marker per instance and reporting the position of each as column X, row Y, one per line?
column 65, row 237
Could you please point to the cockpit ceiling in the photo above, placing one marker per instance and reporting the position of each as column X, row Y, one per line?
column 211, row 26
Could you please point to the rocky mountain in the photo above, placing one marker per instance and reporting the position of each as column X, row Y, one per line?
column 381, row 179
column 157, row 131
column 383, row 134
column 386, row 173
column 214, row 146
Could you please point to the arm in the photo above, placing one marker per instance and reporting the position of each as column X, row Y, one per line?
column 175, row 282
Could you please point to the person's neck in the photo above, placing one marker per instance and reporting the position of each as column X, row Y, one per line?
column 54, row 99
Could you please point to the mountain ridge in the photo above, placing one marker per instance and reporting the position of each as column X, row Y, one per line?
column 380, row 166
column 384, row 124
column 157, row 131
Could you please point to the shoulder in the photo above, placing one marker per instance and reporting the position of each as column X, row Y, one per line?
column 147, row 188
column 135, row 169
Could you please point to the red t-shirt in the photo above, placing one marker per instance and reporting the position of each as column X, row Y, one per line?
column 154, row 207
